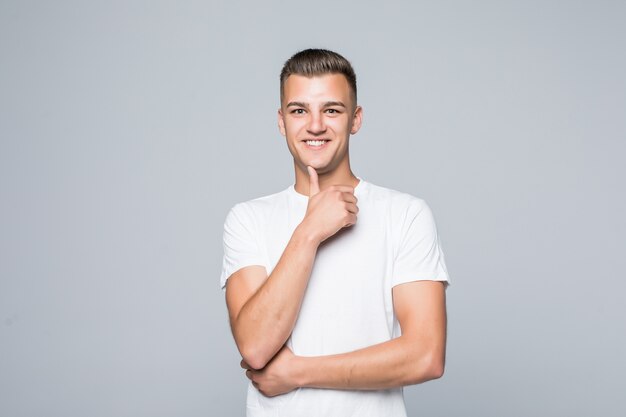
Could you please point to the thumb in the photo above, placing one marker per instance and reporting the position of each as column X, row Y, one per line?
column 314, row 186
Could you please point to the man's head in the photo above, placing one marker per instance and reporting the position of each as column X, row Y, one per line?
column 318, row 111
column 316, row 62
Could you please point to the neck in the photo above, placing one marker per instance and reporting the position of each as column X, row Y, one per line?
column 342, row 175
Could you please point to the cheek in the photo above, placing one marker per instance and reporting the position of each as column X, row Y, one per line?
column 292, row 127
column 339, row 125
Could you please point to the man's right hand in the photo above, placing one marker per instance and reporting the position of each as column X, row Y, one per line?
column 330, row 210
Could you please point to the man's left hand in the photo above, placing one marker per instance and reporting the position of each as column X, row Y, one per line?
column 278, row 376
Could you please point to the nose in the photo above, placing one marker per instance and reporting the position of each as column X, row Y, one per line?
column 316, row 124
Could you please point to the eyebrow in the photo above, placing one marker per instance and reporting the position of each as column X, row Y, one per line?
column 305, row 105
column 296, row 104
column 334, row 103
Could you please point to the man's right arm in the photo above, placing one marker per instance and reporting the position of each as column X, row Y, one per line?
column 263, row 310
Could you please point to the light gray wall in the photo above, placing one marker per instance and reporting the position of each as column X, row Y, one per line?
column 128, row 129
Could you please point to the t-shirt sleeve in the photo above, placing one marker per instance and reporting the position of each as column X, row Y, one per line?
column 419, row 256
column 241, row 246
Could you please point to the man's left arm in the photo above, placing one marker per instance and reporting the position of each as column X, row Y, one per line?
column 417, row 356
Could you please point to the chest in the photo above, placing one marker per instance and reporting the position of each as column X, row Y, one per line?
column 348, row 301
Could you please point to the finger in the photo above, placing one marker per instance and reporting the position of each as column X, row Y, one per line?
column 350, row 198
column 352, row 208
column 351, row 220
column 314, row 186
column 342, row 188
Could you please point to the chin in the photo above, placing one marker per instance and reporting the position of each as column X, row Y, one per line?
column 317, row 165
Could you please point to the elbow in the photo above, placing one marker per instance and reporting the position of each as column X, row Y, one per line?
column 427, row 368
column 254, row 358
column 436, row 369
column 255, row 352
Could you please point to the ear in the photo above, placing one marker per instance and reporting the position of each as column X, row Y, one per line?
column 357, row 119
column 281, row 122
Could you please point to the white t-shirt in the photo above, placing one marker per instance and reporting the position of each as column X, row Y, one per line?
column 348, row 303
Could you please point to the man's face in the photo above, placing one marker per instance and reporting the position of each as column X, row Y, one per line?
column 317, row 116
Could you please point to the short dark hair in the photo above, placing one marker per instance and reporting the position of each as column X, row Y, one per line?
column 312, row 62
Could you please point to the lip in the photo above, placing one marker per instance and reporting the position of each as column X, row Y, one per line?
column 316, row 148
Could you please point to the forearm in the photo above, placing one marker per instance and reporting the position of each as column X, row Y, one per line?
column 266, row 320
column 397, row 362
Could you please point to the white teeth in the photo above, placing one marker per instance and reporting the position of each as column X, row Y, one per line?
column 315, row 142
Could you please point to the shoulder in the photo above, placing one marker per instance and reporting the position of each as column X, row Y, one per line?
column 258, row 207
column 398, row 202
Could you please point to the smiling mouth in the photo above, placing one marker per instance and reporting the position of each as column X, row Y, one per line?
column 316, row 143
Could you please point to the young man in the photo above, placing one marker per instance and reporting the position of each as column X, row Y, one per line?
column 335, row 287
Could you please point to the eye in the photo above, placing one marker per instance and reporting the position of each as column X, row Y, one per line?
column 332, row 111
column 297, row 111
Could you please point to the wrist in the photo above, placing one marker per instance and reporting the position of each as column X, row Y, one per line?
column 307, row 233
column 301, row 371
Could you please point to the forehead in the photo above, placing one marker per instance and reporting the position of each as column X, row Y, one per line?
column 317, row 88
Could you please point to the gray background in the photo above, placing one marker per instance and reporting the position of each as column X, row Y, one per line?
column 128, row 129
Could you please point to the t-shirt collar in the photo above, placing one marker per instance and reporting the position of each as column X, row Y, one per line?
column 357, row 190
